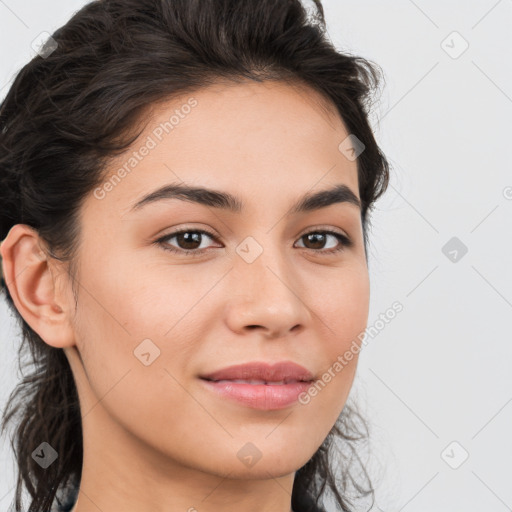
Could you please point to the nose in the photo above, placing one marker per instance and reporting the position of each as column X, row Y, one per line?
column 266, row 295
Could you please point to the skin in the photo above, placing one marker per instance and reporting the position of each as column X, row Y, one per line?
column 154, row 438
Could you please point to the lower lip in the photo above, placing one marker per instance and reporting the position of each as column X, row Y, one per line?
column 260, row 396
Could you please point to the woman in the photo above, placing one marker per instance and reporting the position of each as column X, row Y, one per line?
column 188, row 186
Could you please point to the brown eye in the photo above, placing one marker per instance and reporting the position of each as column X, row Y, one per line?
column 188, row 242
column 188, row 239
column 316, row 240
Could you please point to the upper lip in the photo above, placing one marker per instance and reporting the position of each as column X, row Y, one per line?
column 286, row 371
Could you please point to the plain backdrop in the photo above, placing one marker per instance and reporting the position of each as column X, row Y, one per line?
column 435, row 382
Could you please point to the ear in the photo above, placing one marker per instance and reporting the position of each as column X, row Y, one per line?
column 32, row 278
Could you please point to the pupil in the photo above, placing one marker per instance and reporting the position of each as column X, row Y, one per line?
column 189, row 238
column 318, row 238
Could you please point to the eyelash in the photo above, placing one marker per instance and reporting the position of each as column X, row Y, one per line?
column 345, row 242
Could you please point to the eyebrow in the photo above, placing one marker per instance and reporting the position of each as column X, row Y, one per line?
column 223, row 200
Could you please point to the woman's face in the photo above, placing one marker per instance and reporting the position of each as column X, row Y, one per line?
column 151, row 322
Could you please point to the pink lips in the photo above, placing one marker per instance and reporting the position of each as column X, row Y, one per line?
column 266, row 387
column 285, row 370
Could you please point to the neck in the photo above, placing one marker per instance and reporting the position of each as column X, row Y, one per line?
column 120, row 472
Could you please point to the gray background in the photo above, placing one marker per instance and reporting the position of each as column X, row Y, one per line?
column 435, row 383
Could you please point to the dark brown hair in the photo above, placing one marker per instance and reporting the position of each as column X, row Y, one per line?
column 76, row 106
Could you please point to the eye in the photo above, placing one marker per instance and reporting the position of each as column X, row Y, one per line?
column 190, row 240
column 320, row 238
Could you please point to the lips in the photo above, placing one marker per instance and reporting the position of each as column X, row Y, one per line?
column 256, row 382
column 281, row 373
column 265, row 397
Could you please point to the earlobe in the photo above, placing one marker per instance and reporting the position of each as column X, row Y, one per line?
column 31, row 277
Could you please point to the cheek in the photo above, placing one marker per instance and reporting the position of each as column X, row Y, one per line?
column 342, row 306
column 126, row 302
column 127, row 319
column 118, row 323
column 162, row 299
column 112, row 320
column 342, row 303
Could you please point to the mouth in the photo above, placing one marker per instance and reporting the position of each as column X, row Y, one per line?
column 258, row 394
column 259, row 381
column 260, row 385
column 256, row 372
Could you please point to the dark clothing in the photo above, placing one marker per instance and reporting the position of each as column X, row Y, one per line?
column 65, row 501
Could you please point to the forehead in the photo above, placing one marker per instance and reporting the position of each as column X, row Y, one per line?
column 236, row 111
column 247, row 138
